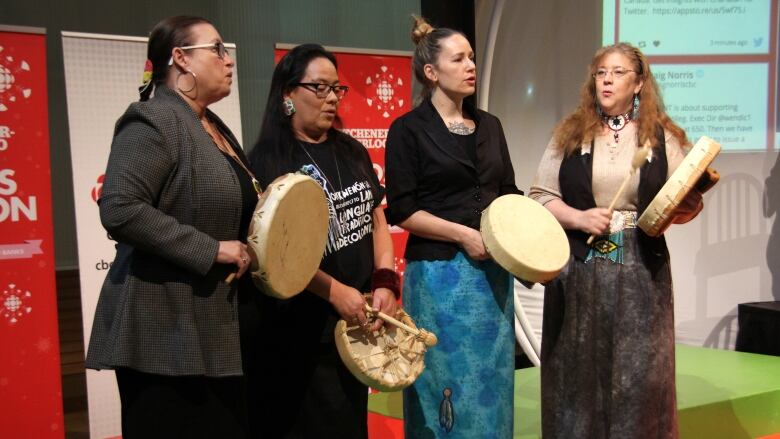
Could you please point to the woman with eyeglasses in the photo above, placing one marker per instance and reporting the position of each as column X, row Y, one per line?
column 299, row 385
column 608, row 344
column 177, row 197
column 446, row 161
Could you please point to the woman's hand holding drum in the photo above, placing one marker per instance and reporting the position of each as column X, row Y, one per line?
column 689, row 207
column 383, row 301
column 234, row 252
column 471, row 241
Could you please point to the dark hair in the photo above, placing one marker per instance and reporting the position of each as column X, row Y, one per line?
column 427, row 40
column 167, row 34
column 276, row 143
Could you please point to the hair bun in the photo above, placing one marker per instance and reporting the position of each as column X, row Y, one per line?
column 420, row 29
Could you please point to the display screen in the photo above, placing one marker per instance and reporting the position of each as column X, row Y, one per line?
column 715, row 61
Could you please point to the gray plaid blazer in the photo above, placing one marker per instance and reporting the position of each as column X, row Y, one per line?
column 168, row 197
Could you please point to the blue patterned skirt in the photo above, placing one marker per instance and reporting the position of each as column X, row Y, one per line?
column 467, row 388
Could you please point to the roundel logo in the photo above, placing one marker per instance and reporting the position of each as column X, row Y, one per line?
column 12, row 72
column 97, row 190
column 381, row 90
column 15, row 303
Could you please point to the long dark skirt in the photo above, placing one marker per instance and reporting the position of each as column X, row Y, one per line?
column 608, row 349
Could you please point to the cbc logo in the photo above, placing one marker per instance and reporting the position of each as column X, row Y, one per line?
column 97, row 190
column 382, row 91
column 379, row 171
column 12, row 80
column 103, row 265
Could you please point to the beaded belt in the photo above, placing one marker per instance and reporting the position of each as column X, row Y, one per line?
column 610, row 246
column 622, row 219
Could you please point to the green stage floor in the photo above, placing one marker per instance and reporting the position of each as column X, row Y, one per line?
column 720, row 394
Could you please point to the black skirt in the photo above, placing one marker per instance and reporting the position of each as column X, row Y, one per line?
column 608, row 349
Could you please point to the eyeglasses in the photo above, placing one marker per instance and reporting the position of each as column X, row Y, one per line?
column 218, row 48
column 617, row 73
column 323, row 90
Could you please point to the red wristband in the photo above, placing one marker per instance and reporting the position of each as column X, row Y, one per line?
column 386, row 278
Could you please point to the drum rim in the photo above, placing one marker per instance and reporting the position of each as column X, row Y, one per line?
column 343, row 343
column 267, row 221
column 505, row 257
column 657, row 217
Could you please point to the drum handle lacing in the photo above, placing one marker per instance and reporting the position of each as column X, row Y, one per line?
column 428, row 338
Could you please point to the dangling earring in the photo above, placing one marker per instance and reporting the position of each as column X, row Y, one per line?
column 599, row 111
column 194, row 81
column 635, row 110
column 289, row 107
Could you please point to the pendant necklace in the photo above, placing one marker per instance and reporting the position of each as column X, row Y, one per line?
column 335, row 161
column 223, row 146
column 617, row 123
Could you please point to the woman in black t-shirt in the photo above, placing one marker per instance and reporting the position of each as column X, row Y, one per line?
column 298, row 385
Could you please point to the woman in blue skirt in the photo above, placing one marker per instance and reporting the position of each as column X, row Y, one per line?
column 445, row 162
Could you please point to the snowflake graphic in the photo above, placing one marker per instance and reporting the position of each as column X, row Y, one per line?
column 43, row 344
column 381, row 89
column 11, row 89
column 15, row 303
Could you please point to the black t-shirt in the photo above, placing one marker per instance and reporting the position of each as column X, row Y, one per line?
column 349, row 254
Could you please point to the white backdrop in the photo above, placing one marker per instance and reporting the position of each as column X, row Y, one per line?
column 722, row 258
column 102, row 75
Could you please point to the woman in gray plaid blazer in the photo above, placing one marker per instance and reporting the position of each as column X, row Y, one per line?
column 177, row 198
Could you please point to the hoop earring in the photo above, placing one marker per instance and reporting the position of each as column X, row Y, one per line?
column 289, row 107
column 635, row 109
column 194, row 81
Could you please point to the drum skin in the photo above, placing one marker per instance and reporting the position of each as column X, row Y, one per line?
column 287, row 235
column 660, row 213
column 387, row 360
column 524, row 238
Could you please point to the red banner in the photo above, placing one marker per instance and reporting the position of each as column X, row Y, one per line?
column 30, row 382
column 380, row 90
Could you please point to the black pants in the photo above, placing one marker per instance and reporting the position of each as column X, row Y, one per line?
column 312, row 396
column 158, row 406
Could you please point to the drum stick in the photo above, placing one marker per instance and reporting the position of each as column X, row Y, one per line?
column 636, row 162
column 230, row 277
column 427, row 337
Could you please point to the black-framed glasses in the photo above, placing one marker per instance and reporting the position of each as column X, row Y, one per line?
column 617, row 73
column 218, row 48
column 323, row 90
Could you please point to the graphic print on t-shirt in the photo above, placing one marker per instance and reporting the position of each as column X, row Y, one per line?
column 349, row 209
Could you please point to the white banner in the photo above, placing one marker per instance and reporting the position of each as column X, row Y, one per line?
column 102, row 75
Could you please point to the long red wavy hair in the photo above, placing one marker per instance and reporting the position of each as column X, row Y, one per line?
column 585, row 123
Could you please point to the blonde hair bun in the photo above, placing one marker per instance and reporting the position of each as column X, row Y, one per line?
column 420, row 29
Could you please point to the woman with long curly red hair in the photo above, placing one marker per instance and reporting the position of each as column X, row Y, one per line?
column 608, row 345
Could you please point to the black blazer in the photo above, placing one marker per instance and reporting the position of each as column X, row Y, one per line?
column 427, row 169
